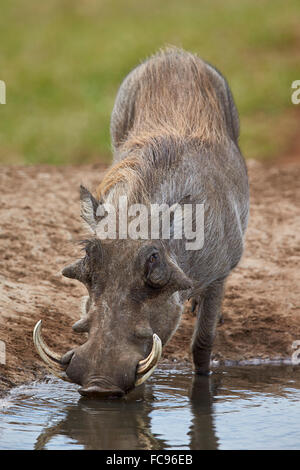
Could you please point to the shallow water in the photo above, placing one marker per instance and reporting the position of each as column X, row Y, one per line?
column 249, row 407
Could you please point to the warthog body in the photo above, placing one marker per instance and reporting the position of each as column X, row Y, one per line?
column 174, row 130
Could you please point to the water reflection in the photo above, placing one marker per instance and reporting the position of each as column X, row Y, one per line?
column 127, row 424
column 106, row 425
column 202, row 432
column 174, row 410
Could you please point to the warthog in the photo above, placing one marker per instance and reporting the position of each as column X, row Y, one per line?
column 174, row 130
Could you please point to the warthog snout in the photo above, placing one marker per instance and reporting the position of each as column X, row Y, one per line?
column 98, row 390
column 99, row 376
column 112, row 376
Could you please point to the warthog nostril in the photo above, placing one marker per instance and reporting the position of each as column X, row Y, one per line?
column 95, row 391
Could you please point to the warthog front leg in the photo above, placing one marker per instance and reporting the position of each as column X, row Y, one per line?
column 208, row 313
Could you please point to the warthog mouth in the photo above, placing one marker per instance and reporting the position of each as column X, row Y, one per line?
column 56, row 366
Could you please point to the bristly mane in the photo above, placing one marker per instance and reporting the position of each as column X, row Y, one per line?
column 176, row 107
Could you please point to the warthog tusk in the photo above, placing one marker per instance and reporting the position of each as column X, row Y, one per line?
column 146, row 367
column 51, row 358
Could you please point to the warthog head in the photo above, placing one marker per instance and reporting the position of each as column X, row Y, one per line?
column 131, row 311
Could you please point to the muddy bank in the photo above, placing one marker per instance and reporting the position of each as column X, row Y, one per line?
column 40, row 228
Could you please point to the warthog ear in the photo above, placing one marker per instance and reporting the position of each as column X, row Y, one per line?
column 179, row 279
column 89, row 207
column 74, row 271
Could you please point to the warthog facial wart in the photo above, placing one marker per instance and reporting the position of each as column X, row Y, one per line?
column 177, row 175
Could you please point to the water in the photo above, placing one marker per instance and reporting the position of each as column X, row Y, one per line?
column 249, row 407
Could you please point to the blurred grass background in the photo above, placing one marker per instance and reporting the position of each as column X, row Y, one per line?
column 63, row 61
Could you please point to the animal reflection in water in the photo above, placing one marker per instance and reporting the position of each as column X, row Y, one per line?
column 126, row 424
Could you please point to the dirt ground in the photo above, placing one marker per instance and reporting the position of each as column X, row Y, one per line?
column 40, row 225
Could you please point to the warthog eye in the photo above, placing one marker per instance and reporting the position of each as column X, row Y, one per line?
column 153, row 258
column 157, row 274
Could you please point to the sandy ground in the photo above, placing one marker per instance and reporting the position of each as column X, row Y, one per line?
column 40, row 225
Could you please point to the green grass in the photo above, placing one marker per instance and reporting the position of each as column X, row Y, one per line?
column 63, row 61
